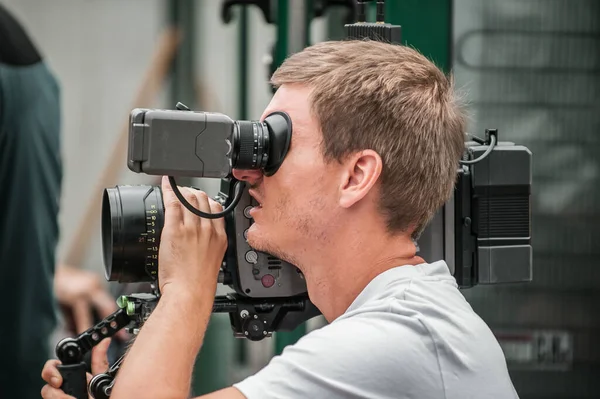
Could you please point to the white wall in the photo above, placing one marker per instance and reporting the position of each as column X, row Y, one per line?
column 99, row 51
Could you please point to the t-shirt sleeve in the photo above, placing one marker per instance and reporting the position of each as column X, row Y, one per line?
column 366, row 356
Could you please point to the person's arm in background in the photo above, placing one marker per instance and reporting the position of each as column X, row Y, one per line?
column 30, row 180
column 83, row 298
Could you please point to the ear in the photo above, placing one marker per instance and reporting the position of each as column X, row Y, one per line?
column 361, row 173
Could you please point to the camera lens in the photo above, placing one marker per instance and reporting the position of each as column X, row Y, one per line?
column 262, row 145
column 132, row 221
column 251, row 145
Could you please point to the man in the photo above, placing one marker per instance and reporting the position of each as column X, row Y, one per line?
column 30, row 178
column 377, row 136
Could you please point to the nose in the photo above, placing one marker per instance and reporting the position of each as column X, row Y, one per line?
column 252, row 176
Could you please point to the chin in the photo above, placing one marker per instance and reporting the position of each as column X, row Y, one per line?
column 255, row 238
column 263, row 243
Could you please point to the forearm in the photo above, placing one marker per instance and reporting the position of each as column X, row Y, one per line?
column 161, row 360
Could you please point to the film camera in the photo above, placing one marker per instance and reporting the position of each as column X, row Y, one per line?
column 269, row 293
column 483, row 232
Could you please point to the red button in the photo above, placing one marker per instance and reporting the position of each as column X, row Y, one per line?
column 267, row 280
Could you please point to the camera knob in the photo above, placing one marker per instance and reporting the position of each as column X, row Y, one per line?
column 69, row 351
column 255, row 328
column 251, row 257
column 100, row 386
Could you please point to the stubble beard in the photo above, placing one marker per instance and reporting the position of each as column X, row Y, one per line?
column 265, row 242
column 274, row 250
column 305, row 229
column 304, row 222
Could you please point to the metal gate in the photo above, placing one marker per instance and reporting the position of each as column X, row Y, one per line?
column 531, row 68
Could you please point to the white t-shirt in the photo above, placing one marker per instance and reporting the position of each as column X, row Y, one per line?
column 409, row 334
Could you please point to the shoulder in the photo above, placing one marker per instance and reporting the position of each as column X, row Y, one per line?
column 372, row 353
column 377, row 332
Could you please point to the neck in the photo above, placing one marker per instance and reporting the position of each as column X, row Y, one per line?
column 336, row 274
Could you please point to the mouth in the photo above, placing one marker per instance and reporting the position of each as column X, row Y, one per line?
column 256, row 198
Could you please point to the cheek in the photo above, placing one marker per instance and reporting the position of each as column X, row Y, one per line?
column 302, row 185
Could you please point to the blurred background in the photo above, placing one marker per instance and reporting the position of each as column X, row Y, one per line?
column 530, row 68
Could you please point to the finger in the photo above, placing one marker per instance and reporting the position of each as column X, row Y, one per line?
column 50, row 373
column 49, row 392
column 82, row 315
column 191, row 195
column 203, row 206
column 100, row 357
column 218, row 224
column 173, row 208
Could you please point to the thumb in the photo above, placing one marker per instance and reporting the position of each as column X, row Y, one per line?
column 99, row 357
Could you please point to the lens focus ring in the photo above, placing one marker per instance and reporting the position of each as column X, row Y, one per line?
column 132, row 221
column 247, row 152
column 252, row 145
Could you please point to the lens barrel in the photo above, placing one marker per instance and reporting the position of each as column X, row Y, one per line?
column 132, row 222
column 251, row 145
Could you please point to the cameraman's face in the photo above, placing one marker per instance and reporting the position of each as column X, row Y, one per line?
column 298, row 203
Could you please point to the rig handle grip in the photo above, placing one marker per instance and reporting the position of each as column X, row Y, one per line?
column 74, row 380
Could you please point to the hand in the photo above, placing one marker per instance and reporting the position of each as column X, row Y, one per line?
column 192, row 248
column 80, row 292
column 52, row 376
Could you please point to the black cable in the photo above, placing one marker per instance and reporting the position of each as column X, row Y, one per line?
column 236, row 199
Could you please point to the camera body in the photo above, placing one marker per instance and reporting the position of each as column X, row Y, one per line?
column 483, row 232
column 250, row 272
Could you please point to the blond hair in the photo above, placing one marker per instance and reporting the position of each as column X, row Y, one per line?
column 389, row 98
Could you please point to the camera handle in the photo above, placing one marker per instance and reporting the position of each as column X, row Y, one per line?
column 251, row 318
column 70, row 351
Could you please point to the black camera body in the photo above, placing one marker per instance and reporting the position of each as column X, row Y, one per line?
column 250, row 272
column 483, row 232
